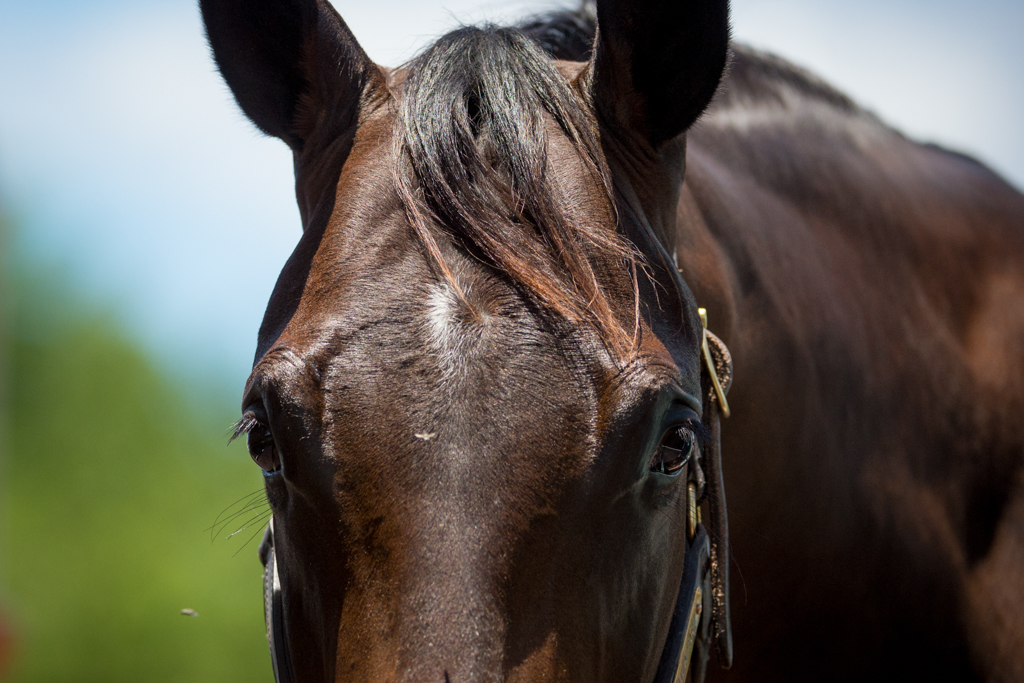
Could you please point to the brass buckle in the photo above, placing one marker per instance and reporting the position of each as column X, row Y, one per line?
column 710, row 362
column 692, row 511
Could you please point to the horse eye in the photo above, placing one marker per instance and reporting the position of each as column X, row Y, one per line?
column 262, row 448
column 674, row 452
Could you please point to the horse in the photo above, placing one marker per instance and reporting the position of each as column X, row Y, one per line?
column 490, row 409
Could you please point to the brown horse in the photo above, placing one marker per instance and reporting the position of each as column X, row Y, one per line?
column 478, row 395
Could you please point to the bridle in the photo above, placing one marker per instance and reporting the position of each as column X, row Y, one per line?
column 701, row 614
column 273, row 609
column 703, row 589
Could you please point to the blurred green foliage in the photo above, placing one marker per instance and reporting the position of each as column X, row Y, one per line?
column 109, row 475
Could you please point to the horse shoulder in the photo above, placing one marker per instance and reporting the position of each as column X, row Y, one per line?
column 872, row 291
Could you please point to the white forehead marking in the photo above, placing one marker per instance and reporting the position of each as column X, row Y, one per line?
column 445, row 333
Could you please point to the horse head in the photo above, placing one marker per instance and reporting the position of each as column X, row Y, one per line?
column 477, row 395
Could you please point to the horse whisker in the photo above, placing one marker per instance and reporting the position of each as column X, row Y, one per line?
column 223, row 519
column 249, row 523
column 258, row 531
column 244, row 505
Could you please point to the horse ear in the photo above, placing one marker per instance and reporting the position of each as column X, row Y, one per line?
column 288, row 62
column 657, row 63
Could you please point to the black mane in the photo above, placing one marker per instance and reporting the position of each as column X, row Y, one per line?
column 565, row 34
column 473, row 153
column 476, row 108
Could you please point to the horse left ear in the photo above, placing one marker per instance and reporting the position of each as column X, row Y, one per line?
column 293, row 65
column 657, row 63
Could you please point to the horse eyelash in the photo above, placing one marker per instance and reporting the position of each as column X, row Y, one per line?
column 243, row 426
column 700, row 430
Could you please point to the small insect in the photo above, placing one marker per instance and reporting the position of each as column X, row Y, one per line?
column 189, row 613
column 424, row 436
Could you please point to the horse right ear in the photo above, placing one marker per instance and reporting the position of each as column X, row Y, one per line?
column 657, row 63
column 292, row 64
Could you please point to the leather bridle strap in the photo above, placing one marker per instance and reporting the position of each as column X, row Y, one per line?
column 701, row 614
column 687, row 625
column 717, row 384
column 716, row 377
column 273, row 609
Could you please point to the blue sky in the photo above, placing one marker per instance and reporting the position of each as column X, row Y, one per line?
column 130, row 172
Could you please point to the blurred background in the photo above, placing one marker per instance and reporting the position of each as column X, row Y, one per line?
column 143, row 222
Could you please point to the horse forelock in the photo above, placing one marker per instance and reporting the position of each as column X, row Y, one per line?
column 476, row 114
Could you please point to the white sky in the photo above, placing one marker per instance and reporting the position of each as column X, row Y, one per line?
column 131, row 173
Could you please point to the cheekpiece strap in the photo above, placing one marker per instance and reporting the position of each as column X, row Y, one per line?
column 716, row 380
column 273, row 606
